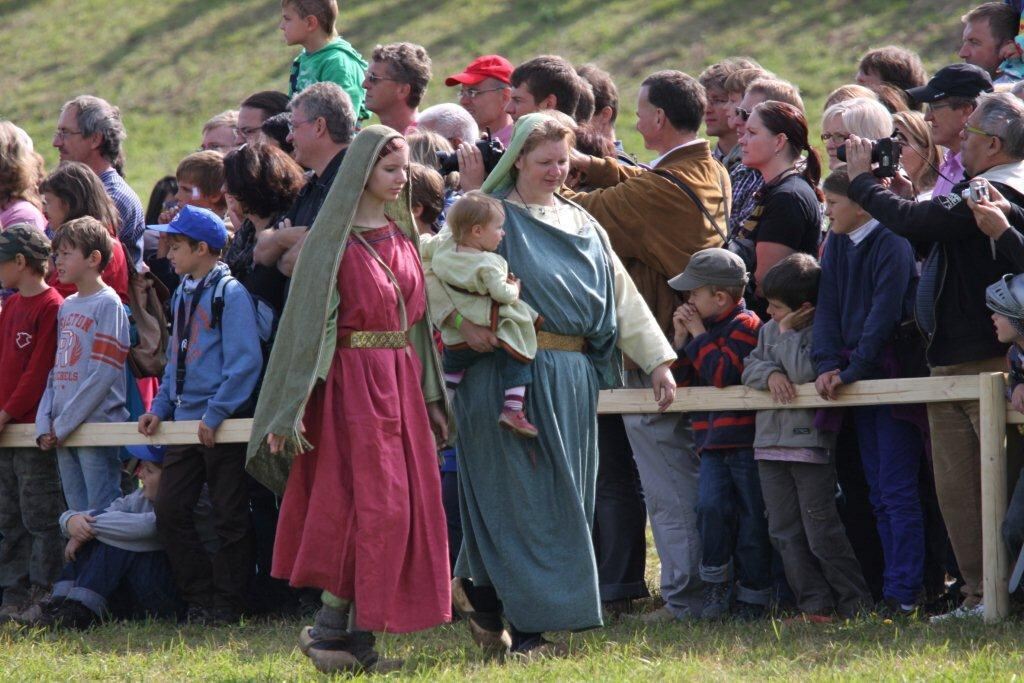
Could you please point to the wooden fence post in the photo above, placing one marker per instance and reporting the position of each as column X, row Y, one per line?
column 992, row 395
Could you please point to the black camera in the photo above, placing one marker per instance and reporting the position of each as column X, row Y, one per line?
column 490, row 148
column 885, row 152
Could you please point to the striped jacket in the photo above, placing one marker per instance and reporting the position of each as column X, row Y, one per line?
column 715, row 359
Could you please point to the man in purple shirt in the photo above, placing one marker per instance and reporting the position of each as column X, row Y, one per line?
column 90, row 130
column 949, row 99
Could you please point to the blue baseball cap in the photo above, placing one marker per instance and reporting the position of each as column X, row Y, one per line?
column 202, row 225
column 147, row 452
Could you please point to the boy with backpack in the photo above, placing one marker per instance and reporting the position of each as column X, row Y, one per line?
column 209, row 380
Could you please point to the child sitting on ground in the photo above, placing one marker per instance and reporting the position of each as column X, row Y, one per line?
column 714, row 332
column 483, row 292
column 1005, row 299
column 116, row 565
column 794, row 461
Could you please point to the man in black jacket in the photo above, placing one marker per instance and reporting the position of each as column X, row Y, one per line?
column 950, row 306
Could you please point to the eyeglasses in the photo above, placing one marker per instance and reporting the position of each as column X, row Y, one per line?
column 293, row 124
column 374, row 78
column 979, row 131
column 837, row 138
column 62, row 133
column 743, row 114
column 247, row 132
column 472, row 93
column 933, row 107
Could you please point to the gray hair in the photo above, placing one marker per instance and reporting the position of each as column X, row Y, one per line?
column 328, row 101
column 863, row 117
column 1002, row 114
column 96, row 115
column 450, row 121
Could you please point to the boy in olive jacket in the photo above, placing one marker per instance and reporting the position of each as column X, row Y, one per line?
column 794, row 458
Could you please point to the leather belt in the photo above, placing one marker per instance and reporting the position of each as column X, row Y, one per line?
column 374, row 340
column 549, row 341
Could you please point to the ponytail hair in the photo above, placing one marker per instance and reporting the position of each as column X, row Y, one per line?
column 781, row 118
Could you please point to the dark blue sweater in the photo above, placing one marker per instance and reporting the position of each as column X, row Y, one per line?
column 865, row 291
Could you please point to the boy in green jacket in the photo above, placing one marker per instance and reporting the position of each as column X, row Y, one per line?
column 325, row 56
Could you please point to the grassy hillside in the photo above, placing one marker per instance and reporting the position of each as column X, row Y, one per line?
column 170, row 65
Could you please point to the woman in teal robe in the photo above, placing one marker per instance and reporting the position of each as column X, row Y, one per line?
column 527, row 505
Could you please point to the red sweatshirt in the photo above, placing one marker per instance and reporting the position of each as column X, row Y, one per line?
column 115, row 275
column 28, row 344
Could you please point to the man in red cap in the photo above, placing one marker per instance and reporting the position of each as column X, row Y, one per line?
column 485, row 93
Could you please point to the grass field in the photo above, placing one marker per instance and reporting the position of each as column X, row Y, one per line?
column 863, row 650
column 170, row 65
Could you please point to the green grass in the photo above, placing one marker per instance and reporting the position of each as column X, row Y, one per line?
column 171, row 65
column 861, row 650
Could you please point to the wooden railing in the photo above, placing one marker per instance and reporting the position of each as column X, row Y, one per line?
column 987, row 389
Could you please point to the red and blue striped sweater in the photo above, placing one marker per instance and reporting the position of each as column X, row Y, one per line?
column 715, row 359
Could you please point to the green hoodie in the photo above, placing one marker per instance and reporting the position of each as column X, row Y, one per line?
column 337, row 62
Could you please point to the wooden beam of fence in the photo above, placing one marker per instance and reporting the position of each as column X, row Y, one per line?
column 992, row 413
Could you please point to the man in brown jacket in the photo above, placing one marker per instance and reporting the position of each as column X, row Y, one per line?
column 655, row 226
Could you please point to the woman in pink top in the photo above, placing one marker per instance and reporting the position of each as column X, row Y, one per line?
column 20, row 172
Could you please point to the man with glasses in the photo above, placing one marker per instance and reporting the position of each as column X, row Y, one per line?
column 322, row 126
column 395, row 82
column 949, row 98
column 950, row 304
column 90, row 130
column 254, row 110
column 485, row 90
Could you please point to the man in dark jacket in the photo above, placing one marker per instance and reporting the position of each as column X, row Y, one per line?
column 950, row 305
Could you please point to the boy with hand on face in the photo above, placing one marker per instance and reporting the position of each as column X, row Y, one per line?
column 714, row 332
column 30, row 495
column 209, row 380
column 794, row 457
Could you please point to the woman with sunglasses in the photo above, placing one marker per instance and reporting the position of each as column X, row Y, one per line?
column 787, row 216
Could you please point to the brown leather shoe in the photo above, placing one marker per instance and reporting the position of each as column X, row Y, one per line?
column 486, row 627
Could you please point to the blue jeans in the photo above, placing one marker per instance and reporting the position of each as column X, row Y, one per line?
column 143, row 580
column 1013, row 525
column 733, row 525
column 891, row 451
column 90, row 476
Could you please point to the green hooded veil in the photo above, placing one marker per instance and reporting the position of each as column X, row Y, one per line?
column 307, row 333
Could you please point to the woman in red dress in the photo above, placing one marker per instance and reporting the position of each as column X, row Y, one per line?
column 361, row 516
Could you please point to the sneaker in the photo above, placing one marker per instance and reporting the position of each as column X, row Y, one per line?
column 748, row 611
column 961, row 612
column 893, row 609
column 662, row 615
column 515, row 421
column 67, row 614
column 716, row 601
column 487, row 629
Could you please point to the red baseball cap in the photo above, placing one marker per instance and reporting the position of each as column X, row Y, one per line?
column 488, row 66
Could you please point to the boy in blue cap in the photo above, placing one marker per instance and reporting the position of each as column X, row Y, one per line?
column 110, row 549
column 206, row 380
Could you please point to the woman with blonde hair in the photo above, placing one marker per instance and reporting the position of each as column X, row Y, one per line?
column 19, row 176
column 921, row 157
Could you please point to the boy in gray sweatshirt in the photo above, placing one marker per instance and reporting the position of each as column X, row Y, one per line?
column 794, row 457
column 116, row 564
column 87, row 383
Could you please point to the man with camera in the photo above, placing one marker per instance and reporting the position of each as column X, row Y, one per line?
column 950, row 306
column 949, row 98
